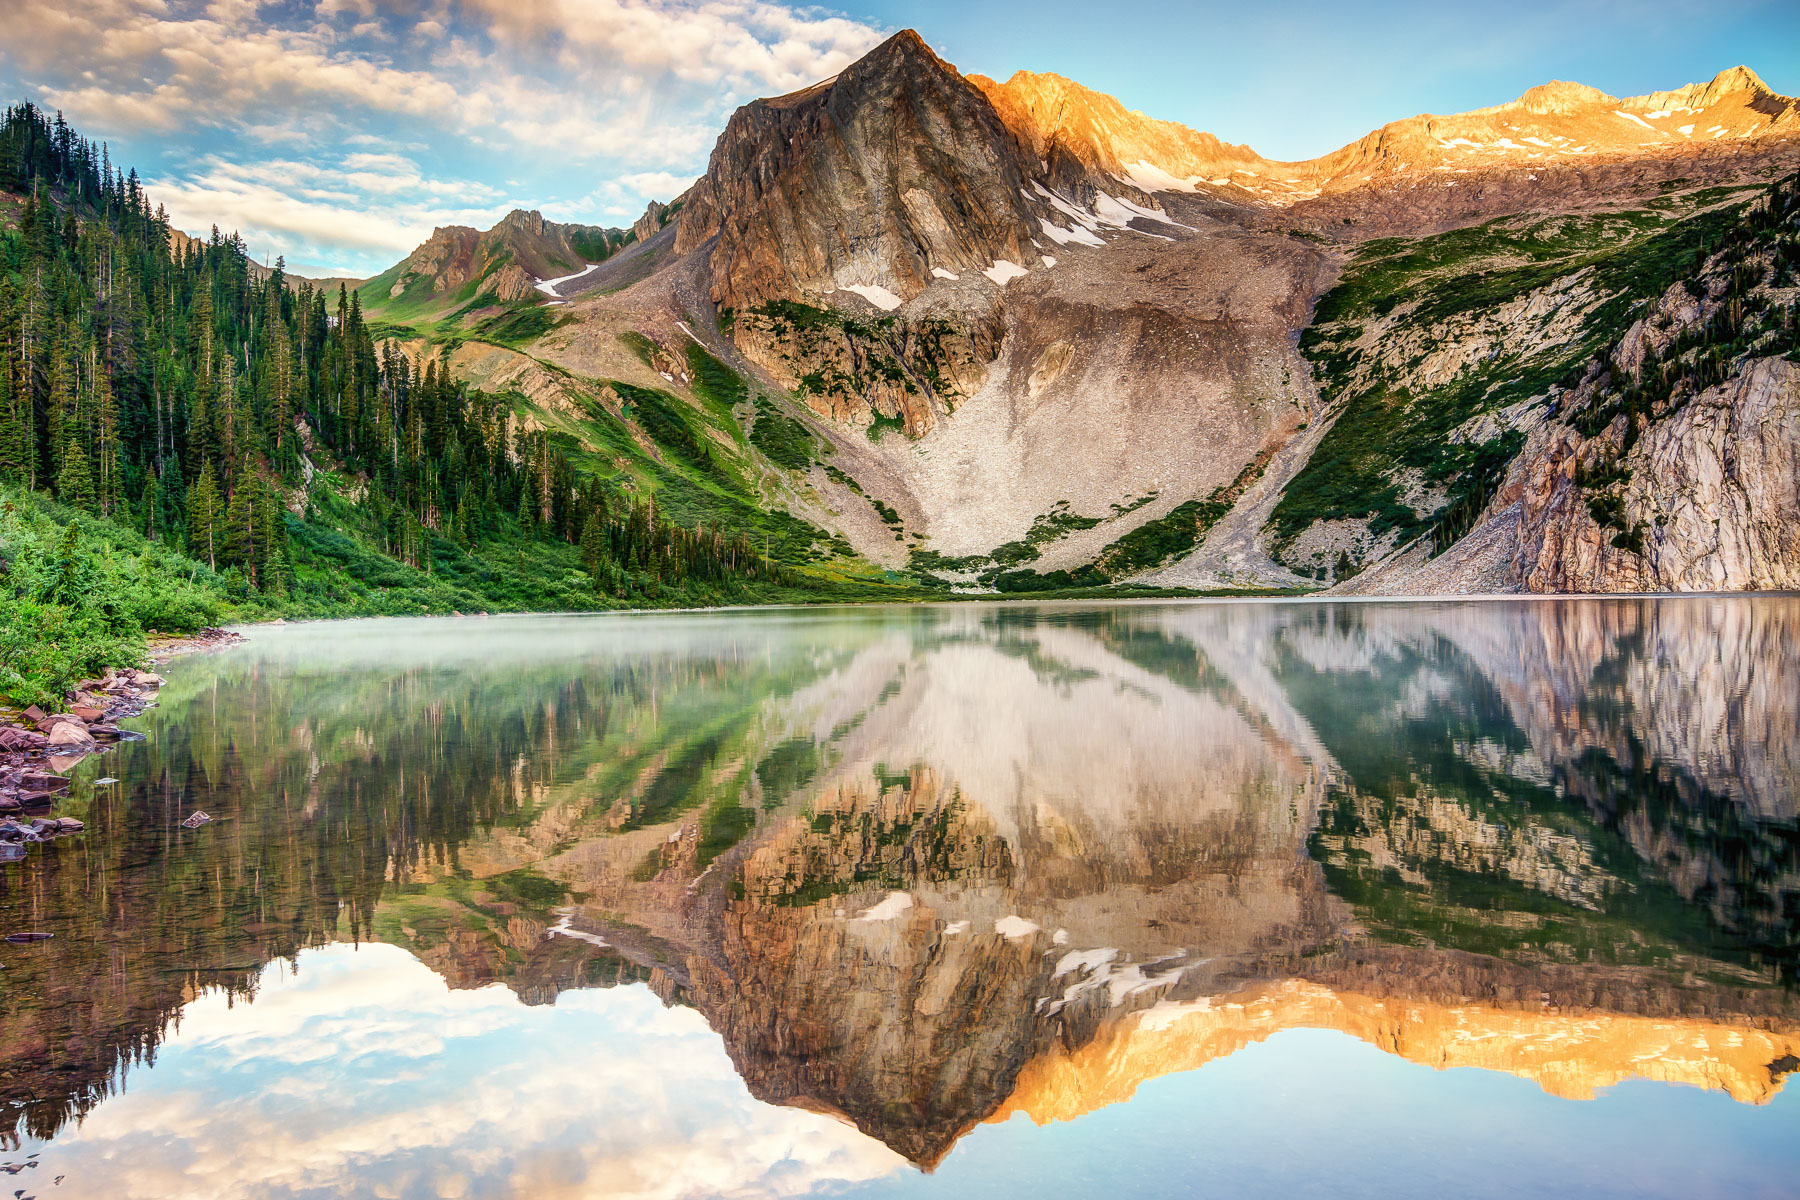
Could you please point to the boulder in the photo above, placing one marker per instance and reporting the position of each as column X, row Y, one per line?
column 69, row 825
column 87, row 712
column 34, row 714
column 43, row 781
column 13, row 738
column 70, row 734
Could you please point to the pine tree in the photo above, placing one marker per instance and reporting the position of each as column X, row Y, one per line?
column 204, row 517
column 75, row 483
column 593, row 546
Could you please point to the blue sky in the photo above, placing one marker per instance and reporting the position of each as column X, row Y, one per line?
column 340, row 132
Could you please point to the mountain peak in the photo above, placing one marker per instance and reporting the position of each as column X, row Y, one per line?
column 1561, row 96
column 1737, row 79
column 901, row 54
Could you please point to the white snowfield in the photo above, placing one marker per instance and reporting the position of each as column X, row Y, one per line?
column 1080, row 235
column 1015, row 927
column 1148, row 177
column 1004, row 271
column 875, row 294
column 940, row 273
column 895, row 904
column 549, row 286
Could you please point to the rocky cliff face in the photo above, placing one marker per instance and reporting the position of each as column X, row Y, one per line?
column 893, row 170
column 1714, row 490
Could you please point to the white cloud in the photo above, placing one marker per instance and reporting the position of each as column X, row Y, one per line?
column 615, row 100
column 362, row 1073
column 380, row 204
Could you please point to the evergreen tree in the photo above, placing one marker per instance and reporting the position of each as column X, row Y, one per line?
column 204, row 517
column 75, row 483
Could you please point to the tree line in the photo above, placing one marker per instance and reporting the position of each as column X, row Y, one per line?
column 172, row 384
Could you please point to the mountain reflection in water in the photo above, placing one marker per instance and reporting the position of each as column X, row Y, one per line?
column 917, row 869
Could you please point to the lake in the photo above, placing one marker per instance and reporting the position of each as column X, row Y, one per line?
column 1141, row 899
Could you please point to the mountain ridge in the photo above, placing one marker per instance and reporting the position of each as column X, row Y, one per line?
column 1081, row 320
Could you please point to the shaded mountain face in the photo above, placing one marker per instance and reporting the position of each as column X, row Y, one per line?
column 876, row 178
column 930, row 869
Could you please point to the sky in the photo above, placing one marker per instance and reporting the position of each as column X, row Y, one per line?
column 339, row 133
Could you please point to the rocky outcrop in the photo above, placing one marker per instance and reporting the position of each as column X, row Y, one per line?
column 849, row 370
column 656, row 215
column 1715, row 488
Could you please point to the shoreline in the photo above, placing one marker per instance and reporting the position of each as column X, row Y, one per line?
column 999, row 598
column 39, row 749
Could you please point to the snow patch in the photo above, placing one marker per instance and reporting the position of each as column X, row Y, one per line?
column 875, row 294
column 1062, row 237
column 1084, row 961
column 1164, row 1013
column 1148, row 177
column 564, row 928
column 1635, row 119
column 1048, row 261
column 895, row 904
column 1080, row 216
column 1015, row 927
column 549, row 286
column 956, row 927
column 1003, row 272
column 1686, row 131
column 1115, row 211
column 940, row 273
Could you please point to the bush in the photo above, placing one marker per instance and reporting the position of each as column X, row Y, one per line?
column 78, row 595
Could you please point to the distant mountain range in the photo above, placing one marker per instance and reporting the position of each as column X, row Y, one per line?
column 1032, row 339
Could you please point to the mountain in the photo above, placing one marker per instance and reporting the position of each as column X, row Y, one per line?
column 1555, row 124
column 1038, row 340
column 511, row 262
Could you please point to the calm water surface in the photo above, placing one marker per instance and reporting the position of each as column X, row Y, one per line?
column 1135, row 900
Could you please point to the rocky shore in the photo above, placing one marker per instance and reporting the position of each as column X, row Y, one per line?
column 38, row 749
